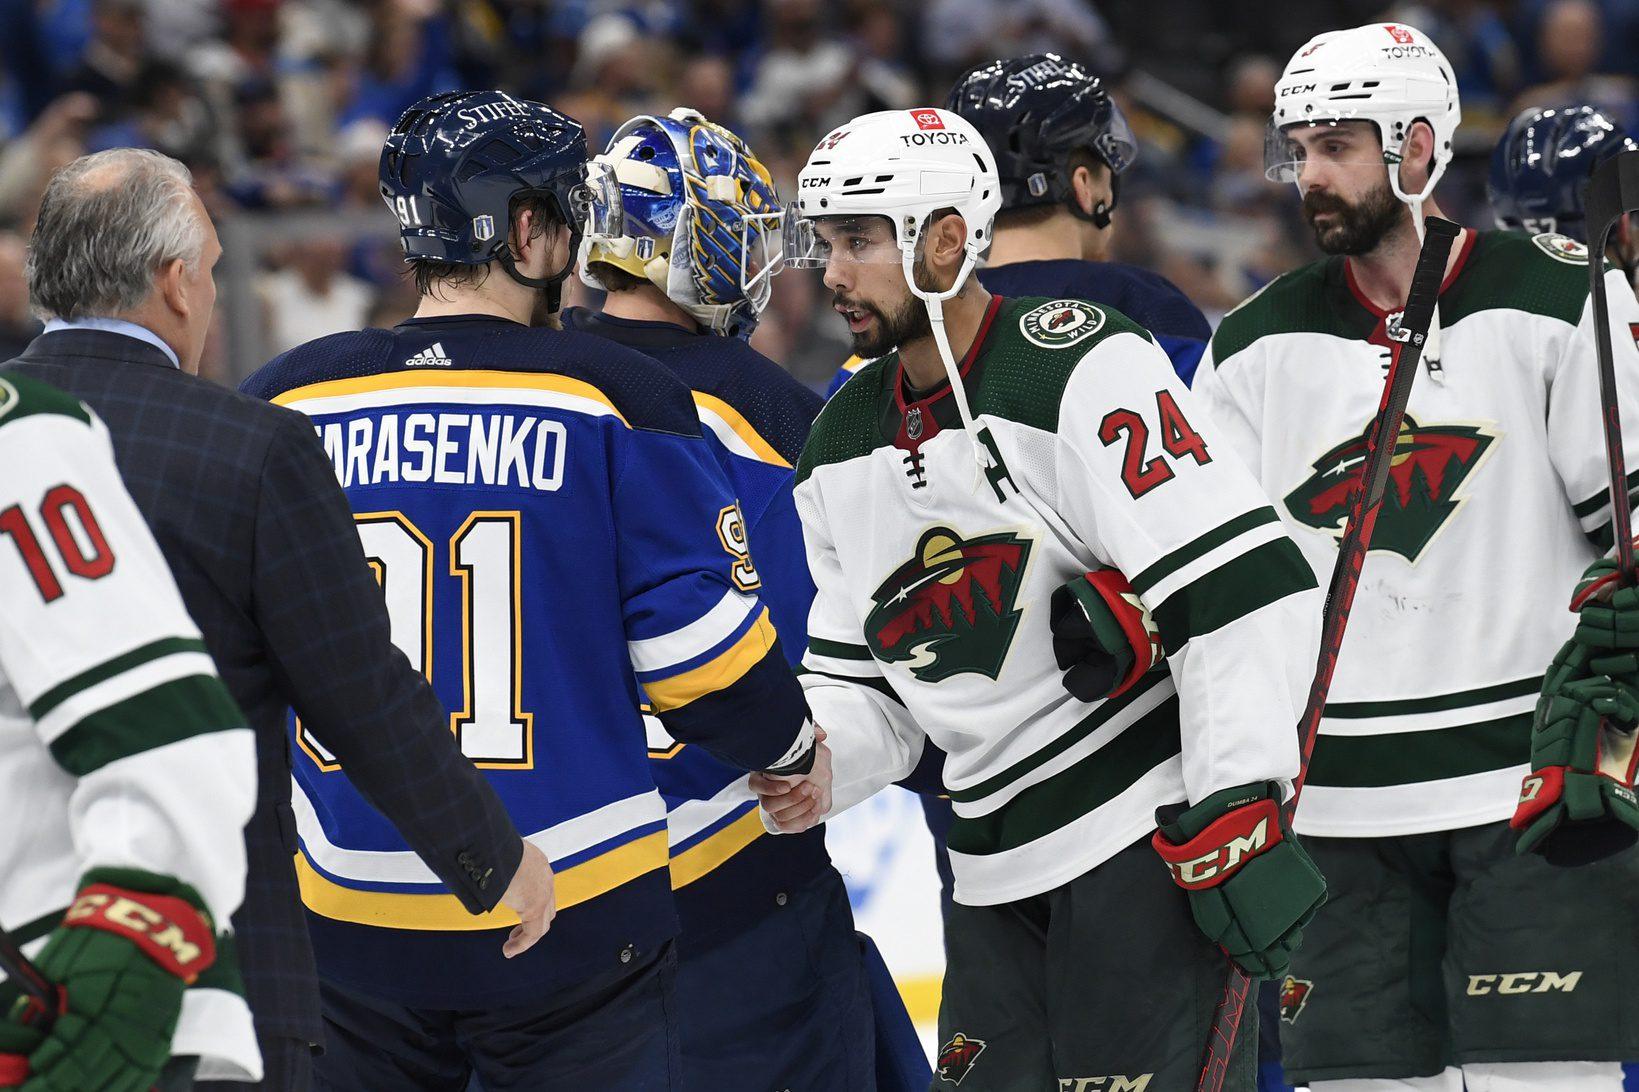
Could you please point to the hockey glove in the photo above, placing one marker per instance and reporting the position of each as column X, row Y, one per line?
column 1607, row 613
column 129, row 945
column 1103, row 636
column 1252, row 888
column 1577, row 804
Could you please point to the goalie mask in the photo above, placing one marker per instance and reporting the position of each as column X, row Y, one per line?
column 701, row 219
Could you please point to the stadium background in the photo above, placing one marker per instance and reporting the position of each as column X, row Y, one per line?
column 280, row 107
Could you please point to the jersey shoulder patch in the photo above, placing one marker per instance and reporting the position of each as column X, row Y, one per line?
column 1025, row 371
column 22, row 397
column 1544, row 274
column 1061, row 323
column 1561, row 248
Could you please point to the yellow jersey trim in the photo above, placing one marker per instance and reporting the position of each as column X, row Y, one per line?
column 711, row 852
column 742, row 428
column 720, row 673
column 444, row 913
column 560, row 384
column 854, row 363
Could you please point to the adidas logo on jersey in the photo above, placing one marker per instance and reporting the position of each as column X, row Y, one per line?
column 431, row 356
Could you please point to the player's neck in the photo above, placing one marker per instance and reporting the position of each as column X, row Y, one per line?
column 1054, row 239
column 1384, row 275
column 497, row 295
column 964, row 315
column 646, row 303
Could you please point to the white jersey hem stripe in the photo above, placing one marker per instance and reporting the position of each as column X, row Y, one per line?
column 140, row 679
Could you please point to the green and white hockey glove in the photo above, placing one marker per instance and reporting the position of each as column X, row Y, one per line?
column 1103, row 636
column 129, row 945
column 1607, row 614
column 1577, row 804
column 1252, row 888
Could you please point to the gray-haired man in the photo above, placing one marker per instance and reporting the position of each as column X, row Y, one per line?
column 247, row 511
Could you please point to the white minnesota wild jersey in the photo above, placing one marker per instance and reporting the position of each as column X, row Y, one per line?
column 932, row 616
column 1496, row 503
column 119, row 746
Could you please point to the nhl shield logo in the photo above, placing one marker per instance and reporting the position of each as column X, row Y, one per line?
column 956, row 1057
column 1061, row 323
column 913, row 423
column 1294, row 994
column 483, row 228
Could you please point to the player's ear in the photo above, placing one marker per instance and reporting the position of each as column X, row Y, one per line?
column 1088, row 188
column 949, row 238
column 1419, row 157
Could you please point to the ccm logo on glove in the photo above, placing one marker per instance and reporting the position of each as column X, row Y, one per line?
column 1231, row 841
column 170, row 931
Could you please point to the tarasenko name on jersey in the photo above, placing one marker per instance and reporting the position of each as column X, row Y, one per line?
column 512, row 469
column 447, row 448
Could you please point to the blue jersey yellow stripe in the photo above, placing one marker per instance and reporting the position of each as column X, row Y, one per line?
column 473, row 379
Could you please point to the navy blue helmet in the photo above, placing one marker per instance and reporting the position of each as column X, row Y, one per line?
column 1033, row 112
column 456, row 166
column 1542, row 164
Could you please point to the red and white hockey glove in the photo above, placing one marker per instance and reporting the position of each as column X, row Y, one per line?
column 1252, row 887
column 1103, row 636
column 129, row 945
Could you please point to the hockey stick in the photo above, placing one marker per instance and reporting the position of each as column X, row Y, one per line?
column 1612, row 193
column 1381, row 440
column 20, row 969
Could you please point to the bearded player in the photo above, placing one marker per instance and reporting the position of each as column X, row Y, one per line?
column 954, row 496
column 1443, row 956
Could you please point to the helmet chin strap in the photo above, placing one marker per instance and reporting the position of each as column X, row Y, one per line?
column 935, row 303
column 553, row 285
column 1415, row 201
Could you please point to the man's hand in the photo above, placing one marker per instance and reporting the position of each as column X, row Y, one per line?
column 531, row 894
column 798, row 803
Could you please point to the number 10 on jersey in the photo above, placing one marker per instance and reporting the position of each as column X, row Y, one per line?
column 484, row 556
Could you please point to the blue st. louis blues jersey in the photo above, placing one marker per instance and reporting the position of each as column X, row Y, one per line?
column 1149, row 299
column 756, row 418
column 552, row 532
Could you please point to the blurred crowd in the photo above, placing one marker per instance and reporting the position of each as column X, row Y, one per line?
column 280, row 107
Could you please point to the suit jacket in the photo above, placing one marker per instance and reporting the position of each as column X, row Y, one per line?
column 246, row 508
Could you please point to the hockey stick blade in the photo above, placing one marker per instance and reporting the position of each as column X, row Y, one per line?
column 1381, row 439
column 1612, row 192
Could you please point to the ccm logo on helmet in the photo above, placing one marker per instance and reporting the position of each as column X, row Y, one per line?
column 1297, row 89
column 814, row 183
column 927, row 119
column 922, row 139
column 1480, row 985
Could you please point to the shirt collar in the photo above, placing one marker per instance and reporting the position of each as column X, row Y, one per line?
column 116, row 326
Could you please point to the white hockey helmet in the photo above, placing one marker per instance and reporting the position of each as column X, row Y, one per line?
column 903, row 165
column 1386, row 73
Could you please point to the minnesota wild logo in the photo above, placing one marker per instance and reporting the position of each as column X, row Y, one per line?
column 1060, row 323
column 950, row 608
column 1430, row 463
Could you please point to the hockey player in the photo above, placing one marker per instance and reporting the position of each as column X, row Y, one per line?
column 687, row 279
column 552, row 532
column 1440, row 948
column 951, row 513
column 126, row 777
column 1541, row 167
column 1062, row 145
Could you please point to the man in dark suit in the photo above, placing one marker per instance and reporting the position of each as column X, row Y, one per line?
column 248, row 513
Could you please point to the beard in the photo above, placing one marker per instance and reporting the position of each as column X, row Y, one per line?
column 907, row 323
column 1354, row 229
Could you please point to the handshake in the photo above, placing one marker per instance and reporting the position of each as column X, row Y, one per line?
column 797, row 802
